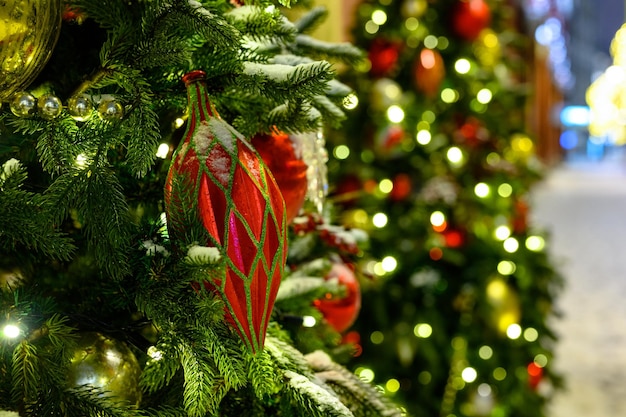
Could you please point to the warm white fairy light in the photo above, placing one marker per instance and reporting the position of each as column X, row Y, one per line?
column 484, row 96
column 163, row 150
column 81, row 160
column 155, row 353
column 350, row 102
column 308, row 321
column 485, row 352
column 469, row 374
column 455, row 155
column 482, row 190
column 395, row 114
column 506, row 267
column 502, row 232
column 511, row 245
column 389, row 263
column 392, row 385
column 535, row 243
column 423, row 137
column 365, row 374
column 437, row 218
column 341, row 152
column 531, row 334
column 178, row 123
column 505, row 190
column 379, row 17
column 449, row 95
column 385, row 186
column 380, row 220
column 11, row 331
column 514, row 331
column 423, row 330
column 462, row 66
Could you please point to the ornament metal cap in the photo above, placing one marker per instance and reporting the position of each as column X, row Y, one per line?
column 193, row 76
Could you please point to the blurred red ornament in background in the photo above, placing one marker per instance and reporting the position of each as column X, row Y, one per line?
column 289, row 170
column 383, row 55
column 469, row 18
column 429, row 72
column 341, row 311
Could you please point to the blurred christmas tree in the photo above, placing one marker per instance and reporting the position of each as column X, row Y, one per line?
column 436, row 163
column 139, row 280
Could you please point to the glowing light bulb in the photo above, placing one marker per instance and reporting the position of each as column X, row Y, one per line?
column 377, row 337
column 535, row 243
column 506, row 268
column 469, row 374
column 462, row 66
column 514, row 331
column 437, row 219
column 423, row 137
column 505, row 190
column 389, row 263
column 81, row 160
column 511, row 245
column 392, row 385
column 502, row 232
column 423, row 330
column 11, row 331
column 449, row 95
column 379, row 17
column 366, row 374
column 485, row 352
column 380, row 220
column 179, row 122
column 351, row 101
column 341, row 152
column 531, row 334
column 455, row 155
column 308, row 321
column 163, row 150
column 484, row 96
column 482, row 190
column 385, row 186
column 395, row 114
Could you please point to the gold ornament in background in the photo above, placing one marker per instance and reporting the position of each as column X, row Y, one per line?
column 414, row 8
column 487, row 48
column 106, row 363
column 505, row 304
column 28, row 32
column 11, row 278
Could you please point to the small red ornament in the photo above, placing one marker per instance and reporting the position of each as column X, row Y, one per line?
column 289, row 170
column 454, row 238
column 217, row 179
column 469, row 18
column 342, row 312
column 429, row 72
column 401, row 187
column 383, row 55
column 535, row 375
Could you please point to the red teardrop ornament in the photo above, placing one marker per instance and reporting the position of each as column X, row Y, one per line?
column 216, row 179
column 469, row 18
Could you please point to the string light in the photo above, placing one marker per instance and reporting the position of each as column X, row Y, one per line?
column 392, row 385
column 535, row 243
column 506, row 267
column 505, row 190
column 365, row 374
column 531, row 334
column 341, row 152
column 308, row 321
column 514, row 331
column 502, row 232
column 155, row 353
column 499, row 374
column 11, row 331
column 484, row 96
column 395, row 114
column 511, row 245
column 350, row 102
column 423, row 137
column 379, row 17
column 482, row 190
column 469, row 374
column 385, row 186
column 423, row 330
column 455, row 155
column 485, row 352
column 163, row 150
column 462, row 66
column 389, row 263
column 380, row 220
column 449, row 95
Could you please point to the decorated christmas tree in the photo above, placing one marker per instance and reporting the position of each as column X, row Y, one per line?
column 163, row 244
column 436, row 163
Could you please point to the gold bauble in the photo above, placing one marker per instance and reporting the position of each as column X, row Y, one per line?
column 28, row 32
column 106, row 363
column 505, row 304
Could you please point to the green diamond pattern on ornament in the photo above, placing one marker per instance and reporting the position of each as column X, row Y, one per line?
column 217, row 177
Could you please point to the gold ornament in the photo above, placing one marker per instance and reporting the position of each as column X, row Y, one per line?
column 505, row 304
column 106, row 363
column 487, row 48
column 28, row 32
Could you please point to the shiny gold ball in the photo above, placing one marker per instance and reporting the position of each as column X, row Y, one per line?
column 102, row 362
column 28, row 32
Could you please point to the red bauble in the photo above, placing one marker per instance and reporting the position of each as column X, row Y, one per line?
column 469, row 18
column 454, row 238
column 289, row 170
column 401, row 187
column 341, row 312
column 217, row 180
column 383, row 56
column 429, row 72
